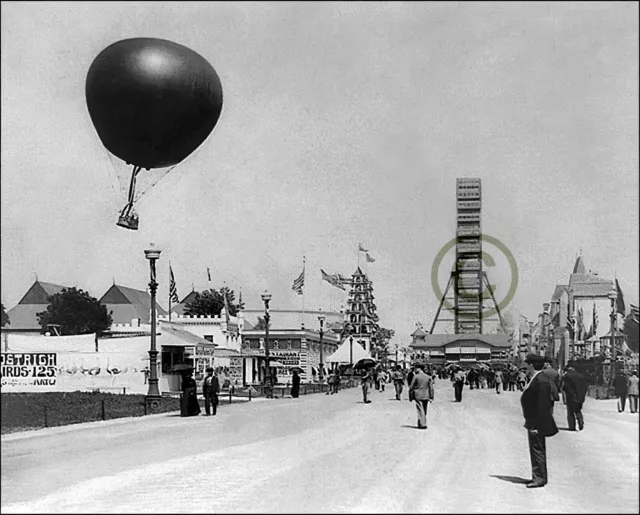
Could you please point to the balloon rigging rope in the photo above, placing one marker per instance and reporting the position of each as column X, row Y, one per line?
column 153, row 184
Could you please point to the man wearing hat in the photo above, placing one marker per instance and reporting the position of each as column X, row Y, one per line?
column 210, row 390
column 421, row 390
column 538, row 419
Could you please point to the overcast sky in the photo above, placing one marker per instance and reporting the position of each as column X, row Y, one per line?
column 342, row 123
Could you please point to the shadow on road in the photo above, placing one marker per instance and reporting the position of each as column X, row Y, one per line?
column 410, row 427
column 512, row 479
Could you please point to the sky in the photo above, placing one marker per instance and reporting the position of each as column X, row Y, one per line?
column 342, row 124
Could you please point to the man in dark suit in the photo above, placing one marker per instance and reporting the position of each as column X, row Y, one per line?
column 210, row 390
column 538, row 420
column 575, row 388
column 421, row 389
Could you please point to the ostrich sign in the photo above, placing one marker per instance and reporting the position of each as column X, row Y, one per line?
column 37, row 369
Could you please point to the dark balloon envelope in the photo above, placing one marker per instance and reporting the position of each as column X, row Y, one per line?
column 152, row 101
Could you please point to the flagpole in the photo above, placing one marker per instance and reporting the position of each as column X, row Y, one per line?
column 169, row 291
column 358, row 255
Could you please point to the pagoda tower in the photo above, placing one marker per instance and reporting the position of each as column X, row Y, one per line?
column 361, row 318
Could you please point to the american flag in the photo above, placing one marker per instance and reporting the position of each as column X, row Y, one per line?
column 173, row 291
column 298, row 284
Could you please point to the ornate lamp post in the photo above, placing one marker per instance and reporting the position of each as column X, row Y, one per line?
column 153, row 397
column 351, row 350
column 321, row 319
column 613, row 295
column 266, row 297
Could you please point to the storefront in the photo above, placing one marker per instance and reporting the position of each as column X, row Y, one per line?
column 463, row 348
column 287, row 349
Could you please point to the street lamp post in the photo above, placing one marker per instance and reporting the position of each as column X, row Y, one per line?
column 153, row 397
column 613, row 295
column 321, row 372
column 266, row 297
column 351, row 350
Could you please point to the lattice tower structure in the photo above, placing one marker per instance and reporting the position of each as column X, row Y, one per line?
column 468, row 272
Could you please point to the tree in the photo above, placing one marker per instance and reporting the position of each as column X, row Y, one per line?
column 261, row 325
column 210, row 303
column 5, row 317
column 76, row 312
column 383, row 337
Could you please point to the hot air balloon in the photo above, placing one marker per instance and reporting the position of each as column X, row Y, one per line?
column 152, row 102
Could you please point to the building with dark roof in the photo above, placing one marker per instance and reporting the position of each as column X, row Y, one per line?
column 469, row 348
column 179, row 309
column 23, row 317
column 129, row 306
column 585, row 301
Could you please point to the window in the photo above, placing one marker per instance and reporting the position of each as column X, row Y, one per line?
column 208, row 337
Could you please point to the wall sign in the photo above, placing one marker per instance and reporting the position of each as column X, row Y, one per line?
column 29, row 369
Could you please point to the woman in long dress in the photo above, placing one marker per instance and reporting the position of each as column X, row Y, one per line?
column 295, row 385
column 189, row 405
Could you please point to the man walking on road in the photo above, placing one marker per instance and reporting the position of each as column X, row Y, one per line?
column 621, row 389
column 497, row 378
column 398, row 379
column 633, row 392
column 421, row 388
column 210, row 390
column 458, row 383
column 538, row 420
column 575, row 388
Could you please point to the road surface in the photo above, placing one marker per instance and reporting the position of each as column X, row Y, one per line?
column 324, row 453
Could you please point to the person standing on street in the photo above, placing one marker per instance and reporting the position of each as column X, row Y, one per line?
column 295, row 384
column 497, row 379
column 422, row 388
column 409, row 379
column 538, row 420
column 398, row 380
column 575, row 388
column 554, row 376
column 383, row 378
column 210, row 391
column 633, row 392
column 458, row 383
column 522, row 380
column 621, row 389
column 366, row 379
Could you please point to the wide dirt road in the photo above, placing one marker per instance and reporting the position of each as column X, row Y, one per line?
column 324, row 453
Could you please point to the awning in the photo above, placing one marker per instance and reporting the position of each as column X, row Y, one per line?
column 173, row 337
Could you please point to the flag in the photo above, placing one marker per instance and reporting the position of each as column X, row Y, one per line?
column 331, row 279
column 173, row 291
column 368, row 313
column 620, row 308
column 298, row 284
column 361, row 248
column 369, row 258
column 342, row 279
column 208, row 273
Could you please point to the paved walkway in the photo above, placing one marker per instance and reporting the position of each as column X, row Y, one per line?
column 327, row 454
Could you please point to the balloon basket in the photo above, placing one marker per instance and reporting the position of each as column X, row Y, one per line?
column 128, row 222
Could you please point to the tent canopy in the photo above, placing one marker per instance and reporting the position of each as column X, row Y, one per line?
column 342, row 353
